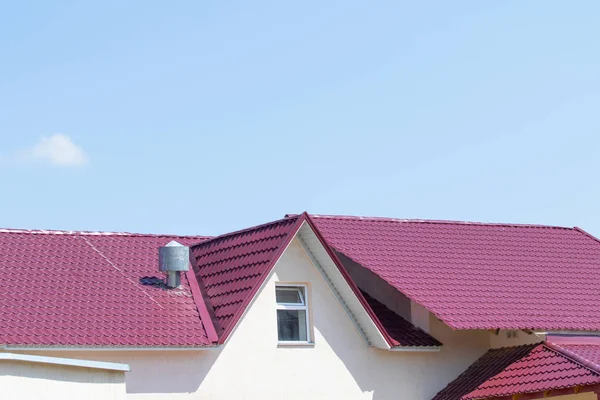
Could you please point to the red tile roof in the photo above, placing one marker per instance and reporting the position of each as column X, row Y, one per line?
column 230, row 268
column 518, row 370
column 88, row 289
column 402, row 332
column 480, row 276
column 100, row 289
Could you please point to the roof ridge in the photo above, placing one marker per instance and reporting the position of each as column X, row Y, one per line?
column 249, row 229
column 439, row 221
column 578, row 229
column 97, row 233
column 571, row 356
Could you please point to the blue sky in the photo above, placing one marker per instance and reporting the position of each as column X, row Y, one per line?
column 204, row 117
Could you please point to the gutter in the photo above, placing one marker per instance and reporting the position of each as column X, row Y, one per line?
column 66, row 361
column 417, row 349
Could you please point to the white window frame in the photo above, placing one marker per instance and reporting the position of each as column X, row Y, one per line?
column 294, row 306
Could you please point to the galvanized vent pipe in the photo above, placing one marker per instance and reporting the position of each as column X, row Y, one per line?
column 173, row 259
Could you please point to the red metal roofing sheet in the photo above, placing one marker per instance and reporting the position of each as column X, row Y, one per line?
column 518, row 370
column 480, row 276
column 230, row 267
column 86, row 289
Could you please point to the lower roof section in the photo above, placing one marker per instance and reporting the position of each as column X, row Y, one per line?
column 527, row 369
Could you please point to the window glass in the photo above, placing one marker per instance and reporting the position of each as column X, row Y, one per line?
column 289, row 295
column 291, row 325
column 292, row 314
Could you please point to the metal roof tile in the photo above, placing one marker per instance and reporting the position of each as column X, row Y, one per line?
column 84, row 289
column 518, row 370
column 231, row 266
column 476, row 275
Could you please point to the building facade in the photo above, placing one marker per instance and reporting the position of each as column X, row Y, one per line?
column 304, row 307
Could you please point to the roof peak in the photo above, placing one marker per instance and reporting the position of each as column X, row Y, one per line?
column 95, row 233
column 435, row 221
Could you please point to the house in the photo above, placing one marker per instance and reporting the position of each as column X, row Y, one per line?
column 308, row 306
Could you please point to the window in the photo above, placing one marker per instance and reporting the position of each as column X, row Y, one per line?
column 292, row 313
column 512, row 334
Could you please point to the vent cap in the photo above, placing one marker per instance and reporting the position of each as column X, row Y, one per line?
column 174, row 257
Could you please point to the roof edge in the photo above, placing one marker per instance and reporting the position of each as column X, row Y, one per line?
column 439, row 221
column 578, row 229
column 71, row 362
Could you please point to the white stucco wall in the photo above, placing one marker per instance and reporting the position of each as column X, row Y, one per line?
column 338, row 366
column 23, row 380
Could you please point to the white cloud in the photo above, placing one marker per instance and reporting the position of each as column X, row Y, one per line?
column 57, row 149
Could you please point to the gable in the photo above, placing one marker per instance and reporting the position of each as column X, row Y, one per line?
column 326, row 368
column 232, row 269
column 329, row 319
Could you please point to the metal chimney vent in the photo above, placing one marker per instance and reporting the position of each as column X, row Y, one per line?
column 172, row 259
